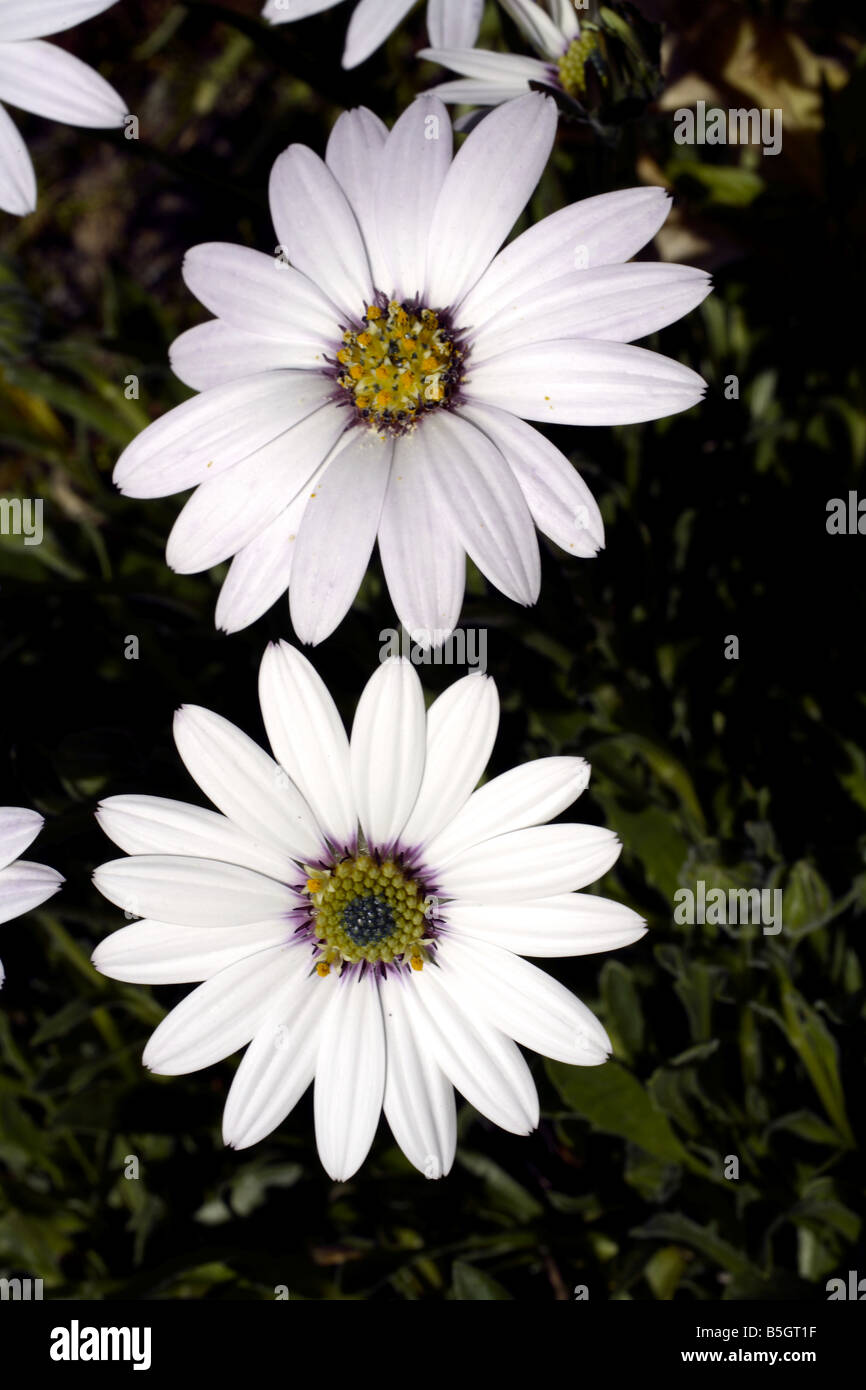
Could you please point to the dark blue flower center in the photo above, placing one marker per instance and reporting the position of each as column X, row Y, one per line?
column 368, row 920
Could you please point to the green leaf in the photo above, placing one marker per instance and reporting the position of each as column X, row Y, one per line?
column 615, row 1102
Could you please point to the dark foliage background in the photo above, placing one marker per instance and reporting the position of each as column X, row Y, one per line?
column 746, row 772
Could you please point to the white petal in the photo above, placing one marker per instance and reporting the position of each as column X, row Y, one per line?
column 212, row 354
column 486, row 189
column 18, row 828
column 307, row 735
column 537, row 27
column 532, row 863
column 481, row 1062
column 531, row 794
column 461, row 730
column 569, row 924
column 24, row 886
column 317, row 229
column 338, row 532
column 565, row 18
column 157, row 825
column 371, row 23
column 602, row 230
column 162, row 953
column 479, row 494
column 350, row 1077
column 245, row 783
column 279, row 1063
column 17, row 179
column 203, row 436
column 521, row 1000
column 192, row 892
column 454, row 23
column 412, row 170
column 387, row 751
column 584, row 383
column 45, row 79
column 619, row 303
column 24, row 19
column 260, row 294
column 561, row 504
column 423, row 560
column 498, row 69
column 419, row 1099
column 471, row 91
column 225, row 513
column 221, row 1015
column 353, row 155
column 287, row 11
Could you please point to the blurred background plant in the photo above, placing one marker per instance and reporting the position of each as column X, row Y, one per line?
column 738, row 772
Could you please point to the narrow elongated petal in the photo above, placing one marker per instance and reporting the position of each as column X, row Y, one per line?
column 17, row 179
column 419, row 1098
column 537, row 26
column 371, row 23
column 18, row 828
column 524, row 1002
column 45, row 79
column 213, row 354
column 337, row 535
column 388, row 747
column 24, row 886
column 279, row 1063
column 192, row 892
column 308, row 737
column 412, row 170
column 482, row 1063
column 212, row 431
column 487, row 186
column 537, row 862
column 568, row 924
column 162, row 953
column 157, row 825
column 350, row 1077
column 499, row 69
column 584, row 383
column 454, row 23
column 245, row 783
column 353, row 155
column 287, row 11
column 220, row 1016
column 603, row 230
column 527, row 795
column 22, row 19
column 461, row 730
column 476, row 91
column 260, row 294
column 561, row 504
column 317, row 228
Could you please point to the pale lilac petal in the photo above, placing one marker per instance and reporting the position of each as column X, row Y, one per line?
column 387, row 751
column 18, row 828
column 371, row 23
column 17, row 179
column 537, row 27
column 213, row 354
column 412, row 170
column 24, row 886
column 353, row 155
column 454, row 23
column 34, row 19
column 260, row 294
column 45, row 79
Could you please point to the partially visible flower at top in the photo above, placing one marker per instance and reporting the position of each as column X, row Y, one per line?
column 369, row 381
column 488, row 78
column 450, row 23
column 48, row 81
column 358, row 914
column 23, row 885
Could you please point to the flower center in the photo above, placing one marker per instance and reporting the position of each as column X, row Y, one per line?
column 399, row 364
column 574, row 59
column 363, row 909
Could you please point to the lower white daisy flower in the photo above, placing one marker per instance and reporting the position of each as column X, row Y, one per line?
column 357, row 913
column 23, row 885
column 449, row 22
column 372, row 381
column 45, row 79
column 553, row 29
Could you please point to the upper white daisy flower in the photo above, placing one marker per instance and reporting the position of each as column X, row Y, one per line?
column 369, row 382
column 550, row 26
column 48, row 81
column 450, row 23
column 358, row 913
column 22, row 885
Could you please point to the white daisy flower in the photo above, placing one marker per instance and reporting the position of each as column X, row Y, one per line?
column 42, row 78
column 373, row 380
column 450, row 23
column 23, row 885
column 357, row 913
column 487, row 78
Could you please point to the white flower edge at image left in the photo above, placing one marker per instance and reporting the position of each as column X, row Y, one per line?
column 357, row 914
column 46, row 80
column 23, row 885
column 372, row 383
column 450, row 23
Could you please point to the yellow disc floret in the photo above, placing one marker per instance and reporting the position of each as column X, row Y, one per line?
column 368, row 910
column 574, row 60
column 400, row 364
